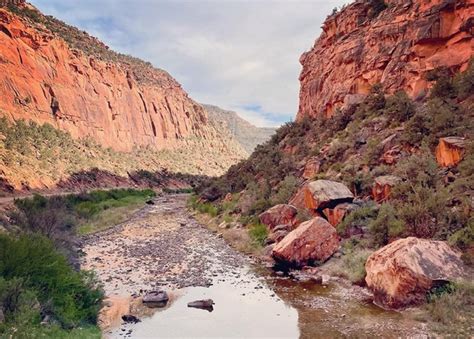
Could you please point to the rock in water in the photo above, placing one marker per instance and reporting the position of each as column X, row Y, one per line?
column 321, row 194
column 156, row 299
column 278, row 215
column 313, row 241
column 128, row 318
column 207, row 304
column 401, row 273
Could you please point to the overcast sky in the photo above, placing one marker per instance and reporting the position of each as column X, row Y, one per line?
column 241, row 55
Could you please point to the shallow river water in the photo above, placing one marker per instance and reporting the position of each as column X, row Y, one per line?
column 164, row 247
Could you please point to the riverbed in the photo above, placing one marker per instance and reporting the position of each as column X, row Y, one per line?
column 164, row 247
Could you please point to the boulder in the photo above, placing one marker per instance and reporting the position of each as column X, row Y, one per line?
column 336, row 215
column 401, row 273
column 450, row 151
column 298, row 199
column 207, row 304
column 277, row 236
column 313, row 241
column 321, row 194
column 156, row 299
column 311, row 168
column 278, row 215
column 383, row 186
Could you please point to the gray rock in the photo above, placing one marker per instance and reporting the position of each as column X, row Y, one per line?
column 156, row 299
column 206, row 304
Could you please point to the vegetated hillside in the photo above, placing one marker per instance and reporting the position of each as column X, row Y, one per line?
column 395, row 43
column 384, row 135
column 410, row 166
column 248, row 135
column 53, row 73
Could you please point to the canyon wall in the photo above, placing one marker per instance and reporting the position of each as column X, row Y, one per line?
column 122, row 103
column 361, row 46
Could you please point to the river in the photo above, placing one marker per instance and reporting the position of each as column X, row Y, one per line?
column 164, row 247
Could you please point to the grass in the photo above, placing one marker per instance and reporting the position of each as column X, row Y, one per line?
column 352, row 266
column 110, row 217
column 258, row 233
column 83, row 213
column 202, row 207
column 451, row 308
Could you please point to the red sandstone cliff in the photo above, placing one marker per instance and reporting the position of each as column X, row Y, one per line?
column 118, row 103
column 395, row 48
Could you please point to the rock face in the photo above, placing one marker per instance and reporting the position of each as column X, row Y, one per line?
column 278, row 215
column 402, row 272
column 396, row 48
column 84, row 88
column 248, row 135
column 321, row 194
column 450, row 151
column 313, row 241
column 383, row 186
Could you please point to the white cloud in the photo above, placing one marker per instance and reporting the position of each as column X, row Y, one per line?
column 233, row 54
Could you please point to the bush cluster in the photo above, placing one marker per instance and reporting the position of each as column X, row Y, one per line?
column 37, row 282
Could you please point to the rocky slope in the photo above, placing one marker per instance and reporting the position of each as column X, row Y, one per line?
column 53, row 73
column 248, row 135
column 396, row 44
column 389, row 175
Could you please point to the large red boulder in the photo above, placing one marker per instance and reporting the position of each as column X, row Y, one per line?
column 313, row 241
column 321, row 194
column 279, row 215
column 401, row 273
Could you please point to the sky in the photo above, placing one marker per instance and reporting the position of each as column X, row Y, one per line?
column 241, row 55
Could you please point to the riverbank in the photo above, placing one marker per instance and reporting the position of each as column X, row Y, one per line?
column 166, row 246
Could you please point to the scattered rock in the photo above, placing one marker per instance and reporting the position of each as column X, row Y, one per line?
column 150, row 202
column 278, row 215
column 321, row 194
column 207, row 304
column 313, row 241
column 383, row 186
column 156, row 299
column 450, row 151
column 128, row 318
column 401, row 273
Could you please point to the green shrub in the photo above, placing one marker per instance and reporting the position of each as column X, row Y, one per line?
column 353, row 266
column 32, row 263
column 361, row 217
column 386, row 226
column 259, row 233
column 285, row 191
column 399, row 107
column 464, row 82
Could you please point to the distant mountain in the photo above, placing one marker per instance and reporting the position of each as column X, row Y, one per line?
column 248, row 135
